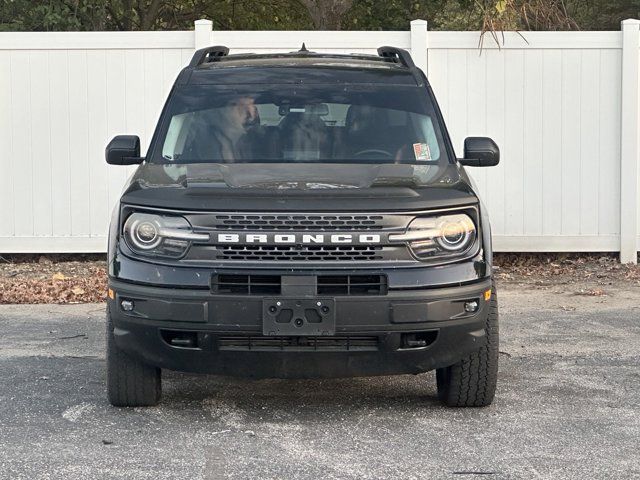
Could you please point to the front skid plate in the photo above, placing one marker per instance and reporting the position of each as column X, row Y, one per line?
column 298, row 317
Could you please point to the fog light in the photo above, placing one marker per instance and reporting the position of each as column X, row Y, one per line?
column 471, row 307
column 127, row 305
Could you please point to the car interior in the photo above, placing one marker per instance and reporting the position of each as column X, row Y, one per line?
column 318, row 132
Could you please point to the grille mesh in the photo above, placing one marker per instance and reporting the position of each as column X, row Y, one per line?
column 297, row 253
column 299, row 222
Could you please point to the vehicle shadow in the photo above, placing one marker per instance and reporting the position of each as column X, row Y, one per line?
column 286, row 398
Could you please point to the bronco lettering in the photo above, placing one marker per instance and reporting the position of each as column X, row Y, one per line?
column 294, row 239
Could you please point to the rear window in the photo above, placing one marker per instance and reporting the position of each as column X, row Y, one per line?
column 306, row 123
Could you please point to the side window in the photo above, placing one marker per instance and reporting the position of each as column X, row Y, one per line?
column 337, row 114
column 269, row 116
column 427, row 133
column 176, row 136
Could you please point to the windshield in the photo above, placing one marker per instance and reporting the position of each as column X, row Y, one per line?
column 300, row 124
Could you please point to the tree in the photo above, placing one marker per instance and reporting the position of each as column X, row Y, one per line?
column 487, row 15
column 390, row 14
column 525, row 15
column 58, row 15
column 327, row 14
column 602, row 14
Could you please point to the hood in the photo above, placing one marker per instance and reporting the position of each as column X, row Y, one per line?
column 309, row 187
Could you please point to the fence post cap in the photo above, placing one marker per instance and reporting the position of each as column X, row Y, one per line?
column 630, row 22
column 203, row 21
column 418, row 22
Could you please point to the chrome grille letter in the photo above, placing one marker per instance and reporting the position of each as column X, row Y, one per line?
column 228, row 238
column 370, row 238
column 285, row 239
column 256, row 238
column 341, row 239
column 312, row 238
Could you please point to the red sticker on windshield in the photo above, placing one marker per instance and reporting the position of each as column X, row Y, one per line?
column 421, row 151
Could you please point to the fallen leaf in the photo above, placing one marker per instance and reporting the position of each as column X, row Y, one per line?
column 597, row 293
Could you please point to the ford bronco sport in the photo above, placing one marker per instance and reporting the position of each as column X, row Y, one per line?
column 301, row 215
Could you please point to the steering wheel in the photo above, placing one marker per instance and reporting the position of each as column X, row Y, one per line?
column 374, row 151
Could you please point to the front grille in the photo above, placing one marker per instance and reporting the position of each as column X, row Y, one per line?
column 323, row 254
column 300, row 344
column 299, row 222
column 300, row 253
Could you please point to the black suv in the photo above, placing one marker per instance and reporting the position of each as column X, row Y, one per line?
column 301, row 215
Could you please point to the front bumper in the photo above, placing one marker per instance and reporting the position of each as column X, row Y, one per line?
column 403, row 331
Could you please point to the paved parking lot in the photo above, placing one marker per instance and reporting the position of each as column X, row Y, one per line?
column 568, row 406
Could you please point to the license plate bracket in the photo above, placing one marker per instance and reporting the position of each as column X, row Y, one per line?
column 298, row 317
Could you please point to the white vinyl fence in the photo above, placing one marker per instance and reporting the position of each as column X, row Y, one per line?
column 562, row 106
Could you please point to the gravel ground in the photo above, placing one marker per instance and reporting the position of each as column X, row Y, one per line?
column 568, row 405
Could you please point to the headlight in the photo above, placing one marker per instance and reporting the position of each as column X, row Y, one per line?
column 160, row 235
column 442, row 237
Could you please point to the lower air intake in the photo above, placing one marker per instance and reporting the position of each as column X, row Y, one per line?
column 352, row 285
column 246, row 284
column 298, row 344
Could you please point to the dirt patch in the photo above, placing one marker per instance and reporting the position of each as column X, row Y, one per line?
column 83, row 278
column 586, row 271
column 53, row 279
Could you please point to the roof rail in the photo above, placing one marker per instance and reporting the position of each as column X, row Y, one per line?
column 403, row 57
column 208, row 54
column 398, row 54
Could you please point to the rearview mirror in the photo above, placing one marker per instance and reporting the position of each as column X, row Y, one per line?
column 480, row 152
column 320, row 109
column 124, row 150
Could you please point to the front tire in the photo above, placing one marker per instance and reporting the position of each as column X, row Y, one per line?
column 472, row 381
column 130, row 383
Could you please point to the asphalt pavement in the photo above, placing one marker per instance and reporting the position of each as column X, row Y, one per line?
column 568, row 406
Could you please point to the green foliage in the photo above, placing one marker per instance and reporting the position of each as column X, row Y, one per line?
column 602, row 14
column 250, row 14
column 396, row 14
column 457, row 15
column 389, row 15
column 59, row 15
column 16, row 15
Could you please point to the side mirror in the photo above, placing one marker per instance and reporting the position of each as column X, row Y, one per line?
column 124, row 150
column 480, row 152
